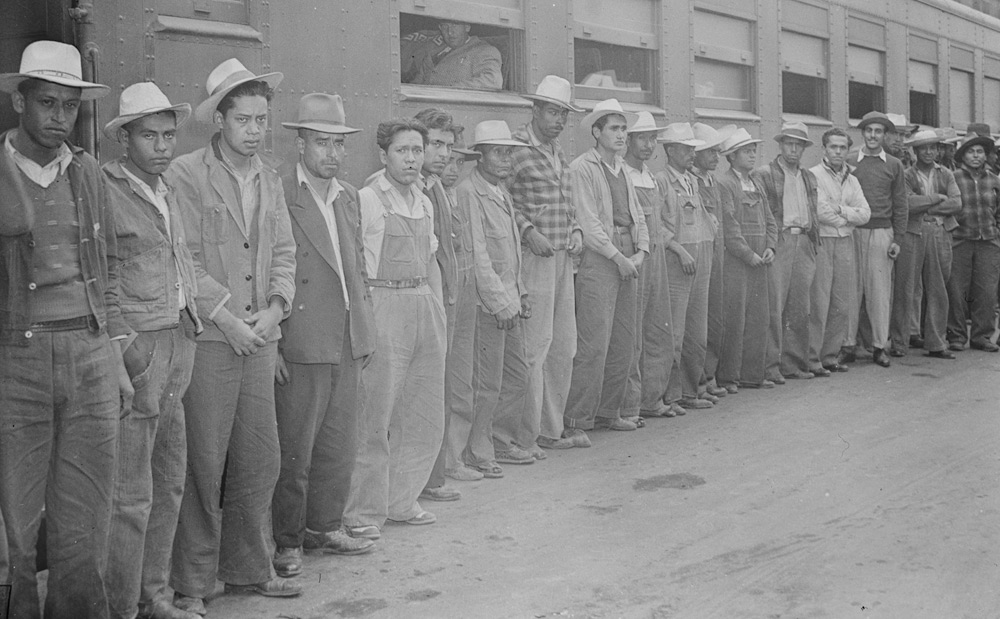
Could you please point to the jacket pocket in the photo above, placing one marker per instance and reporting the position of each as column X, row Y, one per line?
column 142, row 277
column 498, row 247
column 215, row 224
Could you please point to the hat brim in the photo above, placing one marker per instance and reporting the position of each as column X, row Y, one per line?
column 736, row 147
column 723, row 134
column 885, row 122
column 468, row 154
column 589, row 120
column 206, row 109
column 985, row 142
column 88, row 90
column 923, row 142
column 182, row 112
column 694, row 143
column 322, row 127
column 646, row 130
column 500, row 142
column 782, row 136
column 544, row 99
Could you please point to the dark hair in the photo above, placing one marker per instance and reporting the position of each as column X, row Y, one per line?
column 254, row 88
column 132, row 124
column 435, row 118
column 837, row 132
column 28, row 86
column 387, row 131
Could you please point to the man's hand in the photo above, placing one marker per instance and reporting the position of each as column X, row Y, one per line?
column 525, row 308
column 893, row 251
column 687, row 262
column 240, row 336
column 538, row 244
column 265, row 322
column 756, row 261
column 506, row 319
column 626, row 268
column 281, row 375
column 125, row 390
column 768, row 256
column 575, row 243
column 637, row 259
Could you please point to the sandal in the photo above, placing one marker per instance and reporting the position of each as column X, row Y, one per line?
column 491, row 470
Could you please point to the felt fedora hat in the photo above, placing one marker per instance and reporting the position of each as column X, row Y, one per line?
column 924, row 137
column 794, row 130
column 971, row 140
column 604, row 108
column 712, row 137
column 899, row 121
column 873, row 118
column 644, row 123
column 459, row 146
column 144, row 99
column 494, row 132
column 979, row 129
column 321, row 112
column 679, row 133
column 54, row 62
column 554, row 89
column 740, row 138
column 225, row 77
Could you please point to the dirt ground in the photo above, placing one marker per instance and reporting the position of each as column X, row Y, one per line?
column 870, row 494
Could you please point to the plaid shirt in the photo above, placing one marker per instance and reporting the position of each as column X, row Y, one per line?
column 542, row 198
column 980, row 214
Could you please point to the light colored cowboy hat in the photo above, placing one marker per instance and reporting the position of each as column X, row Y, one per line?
column 605, row 108
column 711, row 137
column 876, row 118
column 225, row 77
column 740, row 138
column 554, row 89
column 495, row 133
column 899, row 120
column 679, row 133
column 54, row 62
column 144, row 99
column 794, row 130
column 644, row 123
column 321, row 112
column 923, row 138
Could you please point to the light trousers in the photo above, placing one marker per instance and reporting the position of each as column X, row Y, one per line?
column 792, row 274
column 833, row 300
column 716, row 308
column 458, row 368
column 875, row 282
column 689, row 307
column 500, row 381
column 747, row 318
column 654, row 341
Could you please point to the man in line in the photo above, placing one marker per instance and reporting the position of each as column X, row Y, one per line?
column 833, row 302
column 450, row 57
column 617, row 243
column 791, row 194
column 895, row 141
column 542, row 195
column 157, row 292
column 238, row 229
column 934, row 200
column 878, row 242
column 324, row 343
column 63, row 384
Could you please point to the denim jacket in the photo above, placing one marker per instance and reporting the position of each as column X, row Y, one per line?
column 98, row 248
column 152, row 263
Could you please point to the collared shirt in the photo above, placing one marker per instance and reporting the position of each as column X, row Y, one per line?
column 325, row 206
column 373, row 216
column 795, row 213
column 880, row 154
column 247, row 186
column 839, row 175
column 541, row 189
column 158, row 198
column 980, row 214
column 746, row 183
column 642, row 178
column 41, row 175
column 682, row 178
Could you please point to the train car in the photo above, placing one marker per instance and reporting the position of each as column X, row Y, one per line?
column 750, row 62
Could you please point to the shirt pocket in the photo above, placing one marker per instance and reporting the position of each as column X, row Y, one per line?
column 688, row 215
column 399, row 246
column 142, row 278
column 215, row 224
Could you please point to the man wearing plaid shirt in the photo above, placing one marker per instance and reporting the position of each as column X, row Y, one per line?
column 551, row 236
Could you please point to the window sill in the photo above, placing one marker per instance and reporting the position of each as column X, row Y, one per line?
column 433, row 94
column 808, row 119
column 737, row 115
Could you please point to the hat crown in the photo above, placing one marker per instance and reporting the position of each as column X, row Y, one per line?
column 556, row 88
column 705, row 133
column 490, row 131
column 226, row 72
column 794, row 129
column 321, row 107
column 982, row 129
column 741, row 137
column 644, row 122
column 677, row 132
column 142, row 97
column 51, row 58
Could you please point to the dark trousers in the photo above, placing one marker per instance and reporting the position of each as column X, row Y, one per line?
column 59, row 412
column 975, row 268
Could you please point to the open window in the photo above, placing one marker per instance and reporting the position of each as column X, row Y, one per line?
column 960, row 86
column 922, row 75
column 614, row 50
column 865, row 67
column 724, row 61
column 804, row 42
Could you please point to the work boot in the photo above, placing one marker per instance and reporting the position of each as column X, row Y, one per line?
column 337, row 542
column 287, row 562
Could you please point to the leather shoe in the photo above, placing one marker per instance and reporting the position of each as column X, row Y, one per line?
column 337, row 542
column 697, row 403
column 616, row 423
column 163, row 609
column 836, row 367
column 577, row 437
column 941, row 354
column 880, row 358
column 777, row 379
column 274, row 588
column 662, row 410
column 287, row 562
column 916, row 341
column 848, row 354
column 195, row 606
column 716, row 390
column 820, row 372
column 987, row 346
column 799, row 375
column 956, row 346
column 441, row 493
column 897, row 352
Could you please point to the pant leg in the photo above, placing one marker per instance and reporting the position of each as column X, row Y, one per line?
column 862, row 335
column 795, row 336
column 657, row 353
column 459, row 393
column 633, row 387
column 877, row 281
column 756, row 334
column 679, row 284
column 906, row 272
column 778, row 286
column 735, row 292
column 934, row 276
column 843, row 299
column 983, row 303
column 819, row 299
column 716, row 313
column 696, row 321
column 958, row 287
column 621, row 354
column 917, row 306
column 510, row 405
column 487, row 382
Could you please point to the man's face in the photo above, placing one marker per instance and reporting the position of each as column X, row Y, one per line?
column 745, row 159
column 438, row 150
column 244, row 124
column 874, row 136
column 151, row 141
column 707, row 160
column 612, row 135
column 791, row 150
column 927, row 154
column 836, row 150
column 642, row 145
column 496, row 161
column 404, row 157
column 894, row 141
column 48, row 113
column 451, row 171
column 454, row 33
column 974, row 156
column 680, row 156
column 321, row 153
column 549, row 119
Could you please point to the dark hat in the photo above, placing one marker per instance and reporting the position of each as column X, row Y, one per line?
column 872, row 118
column 979, row 129
column 970, row 140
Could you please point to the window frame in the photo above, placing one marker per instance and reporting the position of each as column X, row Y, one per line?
column 735, row 57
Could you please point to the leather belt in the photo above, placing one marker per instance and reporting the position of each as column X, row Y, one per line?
column 795, row 230
column 68, row 324
column 413, row 282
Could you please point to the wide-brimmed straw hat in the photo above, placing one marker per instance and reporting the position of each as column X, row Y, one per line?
column 321, row 112
column 644, row 123
column 973, row 139
column 900, row 124
column 554, row 89
column 144, row 99
column 948, row 135
column 711, row 136
column 923, row 138
column 605, row 108
column 740, row 138
column 872, row 118
column 58, row 63
column 223, row 79
column 494, row 132
column 796, row 130
column 679, row 133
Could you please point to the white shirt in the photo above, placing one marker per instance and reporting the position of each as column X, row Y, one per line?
column 641, row 178
column 373, row 217
column 326, row 209
column 862, row 154
column 41, row 175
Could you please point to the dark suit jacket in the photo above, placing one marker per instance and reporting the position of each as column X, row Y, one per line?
column 772, row 178
column 314, row 332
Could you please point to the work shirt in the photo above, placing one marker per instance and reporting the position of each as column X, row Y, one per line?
column 841, row 205
column 247, row 185
column 980, row 215
column 796, row 213
column 650, row 195
column 41, row 175
column 373, row 215
column 691, row 222
column 541, row 189
column 325, row 206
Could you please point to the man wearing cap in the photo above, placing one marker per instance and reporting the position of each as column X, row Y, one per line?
column 325, row 341
column 654, row 354
column 497, row 432
column 63, row 384
column 878, row 242
column 841, row 205
column 975, row 266
column 934, row 199
column 895, row 141
column 541, row 191
column 689, row 267
column 617, row 243
column 450, row 57
column 238, row 229
column 706, row 160
column 791, row 194
column 157, row 292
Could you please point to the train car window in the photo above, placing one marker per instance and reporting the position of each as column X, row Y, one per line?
column 865, row 81
column 448, row 53
column 991, row 101
column 232, row 11
column 804, row 79
column 603, row 71
column 960, row 88
column 724, row 62
column 923, row 93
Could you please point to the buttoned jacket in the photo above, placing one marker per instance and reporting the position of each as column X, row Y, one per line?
column 593, row 206
column 476, row 64
column 920, row 203
column 841, row 203
column 772, row 179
